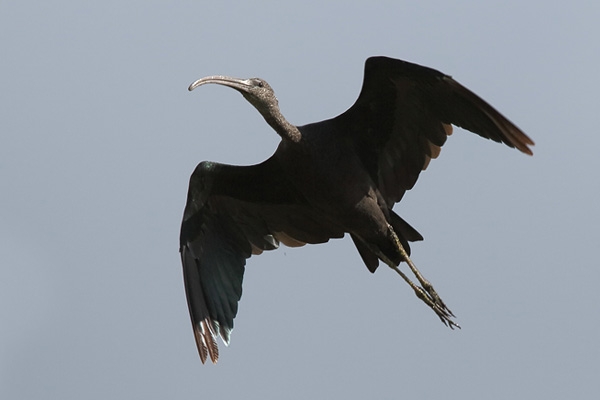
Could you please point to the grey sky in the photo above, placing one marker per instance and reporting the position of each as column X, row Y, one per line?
column 98, row 137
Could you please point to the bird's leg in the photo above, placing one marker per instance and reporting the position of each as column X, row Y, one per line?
column 425, row 292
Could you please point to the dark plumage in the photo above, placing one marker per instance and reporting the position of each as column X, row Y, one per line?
column 325, row 179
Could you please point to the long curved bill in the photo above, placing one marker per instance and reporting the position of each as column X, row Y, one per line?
column 236, row 83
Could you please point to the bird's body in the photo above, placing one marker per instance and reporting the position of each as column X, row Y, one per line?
column 325, row 179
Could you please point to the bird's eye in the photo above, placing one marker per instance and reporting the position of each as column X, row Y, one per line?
column 259, row 83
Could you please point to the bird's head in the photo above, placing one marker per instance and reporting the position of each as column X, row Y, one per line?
column 257, row 91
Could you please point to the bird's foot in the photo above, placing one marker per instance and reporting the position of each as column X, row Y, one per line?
column 429, row 296
column 425, row 292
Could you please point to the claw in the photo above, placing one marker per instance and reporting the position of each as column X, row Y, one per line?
column 425, row 292
column 430, row 297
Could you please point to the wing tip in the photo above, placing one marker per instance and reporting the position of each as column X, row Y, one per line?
column 521, row 141
column 527, row 150
column 205, row 341
column 527, row 141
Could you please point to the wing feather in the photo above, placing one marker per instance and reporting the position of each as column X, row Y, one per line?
column 231, row 213
column 403, row 117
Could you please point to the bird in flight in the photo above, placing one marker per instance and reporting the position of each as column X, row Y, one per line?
column 326, row 179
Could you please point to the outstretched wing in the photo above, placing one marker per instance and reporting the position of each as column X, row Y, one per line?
column 404, row 114
column 231, row 213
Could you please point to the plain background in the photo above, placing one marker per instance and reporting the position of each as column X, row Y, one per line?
column 98, row 137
